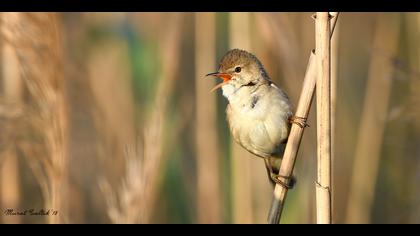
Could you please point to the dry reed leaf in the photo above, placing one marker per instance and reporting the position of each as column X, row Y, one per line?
column 36, row 39
column 133, row 201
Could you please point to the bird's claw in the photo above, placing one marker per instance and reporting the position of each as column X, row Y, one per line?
column 277, row 180
column 300, row 121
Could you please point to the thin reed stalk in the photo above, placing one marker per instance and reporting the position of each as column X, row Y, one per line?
column 295, row 136
column 372, row 124
column 207, row 148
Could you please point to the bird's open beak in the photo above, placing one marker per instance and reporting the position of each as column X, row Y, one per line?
column 226, row 78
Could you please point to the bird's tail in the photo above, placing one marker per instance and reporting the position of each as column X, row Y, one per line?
column 277, row 202
column 275, row 211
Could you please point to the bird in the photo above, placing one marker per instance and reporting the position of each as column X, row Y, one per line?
column 259, row 113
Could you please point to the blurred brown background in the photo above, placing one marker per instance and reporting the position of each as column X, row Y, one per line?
column 107, row 117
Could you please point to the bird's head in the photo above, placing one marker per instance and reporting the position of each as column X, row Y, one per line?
column 239, row 68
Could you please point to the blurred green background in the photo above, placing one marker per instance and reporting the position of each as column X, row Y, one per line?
column 107, row 117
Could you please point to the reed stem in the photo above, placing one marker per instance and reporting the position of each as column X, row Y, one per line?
column 295, row 136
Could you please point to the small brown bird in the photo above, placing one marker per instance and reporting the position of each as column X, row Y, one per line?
column 259, row 113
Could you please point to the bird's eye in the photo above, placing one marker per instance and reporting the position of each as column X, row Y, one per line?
column 237, row 69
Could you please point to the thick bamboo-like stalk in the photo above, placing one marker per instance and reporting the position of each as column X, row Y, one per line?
column 334, row 74
column 296, row 132
column 241, row 159
column 207, row 147
column 323, row 94
column 372, row 124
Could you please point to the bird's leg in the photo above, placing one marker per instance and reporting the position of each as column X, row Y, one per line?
column 301, row 121
column 276, row 177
